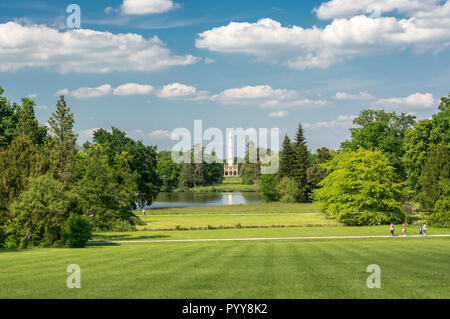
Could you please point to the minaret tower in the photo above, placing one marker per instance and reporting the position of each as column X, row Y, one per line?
column 229, row 169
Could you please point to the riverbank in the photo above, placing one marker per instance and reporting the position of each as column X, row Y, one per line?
column 229, row 185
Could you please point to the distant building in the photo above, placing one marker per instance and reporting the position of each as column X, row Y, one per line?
column 229, row 169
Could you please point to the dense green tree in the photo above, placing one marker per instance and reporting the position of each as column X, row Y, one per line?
column 20, row 161
column 316, row 172
column 8, row 121
column 62, row 143
column 168, row 172
column 28, row 125
column 268, row 188
column 287, row 158
column 382, row 131
column 40, row 212
column 143, row 163
column 251, row 168
column 435, row 177
column 300, row 165
column 445, row 103
column 106, row 192
column 207, row 172
column 360, row 189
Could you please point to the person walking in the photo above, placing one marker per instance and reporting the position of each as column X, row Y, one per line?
column 420, row 230
column 404, row 230
column 392, row 230
column 424, row 229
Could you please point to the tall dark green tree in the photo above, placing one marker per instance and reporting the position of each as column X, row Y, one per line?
column 28, row 125
column 300, row 164
column 251, row 168
column 8, row 121
column 316, row 172
column 435, row 177
column 287, row 158
column 62, row 143
column 168, row 171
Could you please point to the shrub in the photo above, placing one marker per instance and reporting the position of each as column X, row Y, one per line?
column 268, row 188
column 78, row 231
column 288, row 190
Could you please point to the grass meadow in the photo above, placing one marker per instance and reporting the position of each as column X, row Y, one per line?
column 284, row 268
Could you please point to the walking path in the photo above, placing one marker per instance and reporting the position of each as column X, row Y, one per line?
column 252, row 239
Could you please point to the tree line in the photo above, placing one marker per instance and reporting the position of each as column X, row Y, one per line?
column 53, row 191
column 390, row 160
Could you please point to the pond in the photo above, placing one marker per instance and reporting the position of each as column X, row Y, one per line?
column 171, row 200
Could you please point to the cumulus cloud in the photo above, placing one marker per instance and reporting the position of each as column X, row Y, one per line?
column 176, row 90
column 278, row 114
column 253, row 93
column 141, row 7
column 302, row 48
column 416, row 100
column 349, row 96
column 346, row 8
column 133, row 89
column 106, row 90
column 82, row 50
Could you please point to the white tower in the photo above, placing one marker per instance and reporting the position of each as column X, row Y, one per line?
column 229, row 169
column 230, row 158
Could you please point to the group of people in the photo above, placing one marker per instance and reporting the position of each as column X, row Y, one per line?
column 422, row 229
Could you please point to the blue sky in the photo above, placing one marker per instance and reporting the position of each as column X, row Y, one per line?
column 150, row 66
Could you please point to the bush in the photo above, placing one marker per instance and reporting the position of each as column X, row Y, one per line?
column 268, row 188
column 78, row 231
column 288, row 190
column 441, row 216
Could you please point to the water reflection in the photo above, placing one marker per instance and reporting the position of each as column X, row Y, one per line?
column 171, row 200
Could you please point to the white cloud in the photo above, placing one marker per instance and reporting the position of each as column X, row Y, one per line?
column 176, row 90
column 141, row 7
column 32, row 96
column 253, row 93
column 107, row 90
column 349, row 96
column 278, row 114
column 42, row 107
column 88, row 133
column 347, row 8
column 133, row 89
column 416, row 100
column 341, row 122
column 343, row 39
column 160, row 134
column 86, row 92
column 82, row 50
column 209, row 60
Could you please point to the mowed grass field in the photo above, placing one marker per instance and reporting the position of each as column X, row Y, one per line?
column 410, row 268
column 259, row 215
column 270, row 268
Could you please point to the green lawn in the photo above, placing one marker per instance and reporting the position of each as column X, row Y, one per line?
column 229, row 184
column 280, row 268
column 259, row 215
column 410, row 268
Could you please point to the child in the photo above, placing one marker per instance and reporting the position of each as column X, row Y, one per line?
column 392, row 229
column 420, row 230
column 404, row 230
column 424, row 229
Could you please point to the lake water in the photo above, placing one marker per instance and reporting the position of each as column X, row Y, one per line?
column 171, row 200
